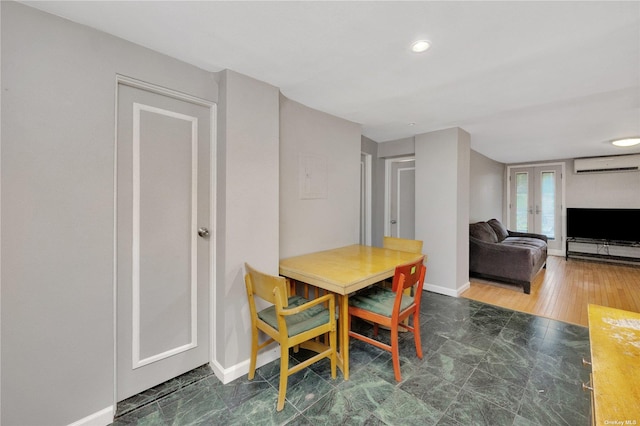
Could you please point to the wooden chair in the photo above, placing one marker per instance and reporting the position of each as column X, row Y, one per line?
column 291, row 321
column 401, row 244
column 390, row 307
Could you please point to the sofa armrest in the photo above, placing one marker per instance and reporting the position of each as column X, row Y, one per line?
column 528, row 234
column 499, row 259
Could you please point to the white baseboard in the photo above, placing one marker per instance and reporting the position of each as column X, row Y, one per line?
column 445, row 290
column 101, row 418
column 552, row 252
column 226, row 375
column 464, row 288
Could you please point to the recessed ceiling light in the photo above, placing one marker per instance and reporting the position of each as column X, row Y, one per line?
column 412, row 124
column 420, row 46
column 626, row 142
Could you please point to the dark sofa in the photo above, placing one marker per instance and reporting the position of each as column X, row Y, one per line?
column 496, row 253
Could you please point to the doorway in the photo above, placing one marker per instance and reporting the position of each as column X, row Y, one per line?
column 163, row 246
column 535, row 201
column 400, row 197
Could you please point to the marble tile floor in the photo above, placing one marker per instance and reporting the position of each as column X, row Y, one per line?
column 482, row 365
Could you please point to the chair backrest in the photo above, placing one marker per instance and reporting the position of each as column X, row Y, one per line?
column 409, row 275
column 265, row 286
column 402, row 244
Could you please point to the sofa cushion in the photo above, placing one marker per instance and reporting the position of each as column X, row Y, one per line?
column 499, row 229
column 483, row 231
column 533, row 243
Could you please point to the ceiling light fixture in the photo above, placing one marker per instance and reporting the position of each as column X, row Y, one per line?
column 626, row 141
column 420, row 46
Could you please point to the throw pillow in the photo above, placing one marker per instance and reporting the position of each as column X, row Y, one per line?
column 500, row 230
column 482, row 231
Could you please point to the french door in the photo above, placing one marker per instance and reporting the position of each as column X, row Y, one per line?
column 535, row 201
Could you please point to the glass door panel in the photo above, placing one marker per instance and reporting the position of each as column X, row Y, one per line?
column 522, row 202
column 536, row 202
column 547, row 211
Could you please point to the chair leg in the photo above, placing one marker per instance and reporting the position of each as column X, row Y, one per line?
column 334, row 355
column 375, row 330
column 416, row 334
column 284, row 369
column 395, row 352
column 254, row 354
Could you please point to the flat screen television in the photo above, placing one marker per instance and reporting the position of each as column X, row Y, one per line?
column 604, row 224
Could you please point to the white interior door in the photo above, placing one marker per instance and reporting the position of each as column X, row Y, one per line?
column 163, row 199
column 536, row 202
column 401, row 192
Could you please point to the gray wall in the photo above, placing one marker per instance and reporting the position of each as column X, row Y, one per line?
column 58, row 85
column 377, row 191
column 397, row 148
column 248, row 206
column 442, row 207
column 610, row 190
column 308, row 225
column 486, row 188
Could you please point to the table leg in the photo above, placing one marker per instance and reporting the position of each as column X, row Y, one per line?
column 344, row 334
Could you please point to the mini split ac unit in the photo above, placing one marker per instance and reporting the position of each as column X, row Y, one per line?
column 618, row 163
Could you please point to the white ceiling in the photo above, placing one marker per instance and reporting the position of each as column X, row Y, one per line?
column 529, row 81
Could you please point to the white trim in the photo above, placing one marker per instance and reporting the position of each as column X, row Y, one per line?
column 226, row 375
column 137, row 362
column 446, row 290
column 103, row 417
column 553, row 252
column 115, row 245
column 213, row 235
column 153, row 88
column 0, row 223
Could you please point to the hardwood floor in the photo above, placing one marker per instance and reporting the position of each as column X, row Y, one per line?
column 565, row 288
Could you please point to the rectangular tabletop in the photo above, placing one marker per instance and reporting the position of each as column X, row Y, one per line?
column 615, row 363
column 343, row 271
column 347, row 269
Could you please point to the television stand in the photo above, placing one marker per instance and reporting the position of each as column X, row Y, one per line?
column 603, row 249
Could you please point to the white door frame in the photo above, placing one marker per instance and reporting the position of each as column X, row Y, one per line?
column 365, row 188
column 132, row 82
column 563, row 208
column 387, row 189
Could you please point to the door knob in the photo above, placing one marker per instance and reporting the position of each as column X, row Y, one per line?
column 393, row 221
column 203, row 232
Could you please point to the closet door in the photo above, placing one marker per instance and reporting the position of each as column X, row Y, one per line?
column 162, row 248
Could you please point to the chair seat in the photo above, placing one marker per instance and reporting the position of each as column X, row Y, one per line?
column 297, row 323
column 379, row 300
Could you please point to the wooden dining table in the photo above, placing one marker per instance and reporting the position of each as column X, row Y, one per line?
column 343, row 271
column 614, row 336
